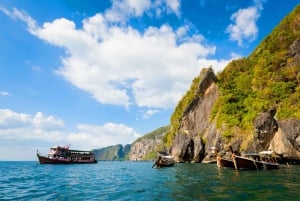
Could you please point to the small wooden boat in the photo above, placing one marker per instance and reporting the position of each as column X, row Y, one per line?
column 164, row 160
column 225, row 163
column 261, row 161
column 64, row 155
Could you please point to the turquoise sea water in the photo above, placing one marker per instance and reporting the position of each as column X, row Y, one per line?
column 138, row 181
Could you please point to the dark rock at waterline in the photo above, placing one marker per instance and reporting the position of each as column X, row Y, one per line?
column 286, row 141
column 265, row 128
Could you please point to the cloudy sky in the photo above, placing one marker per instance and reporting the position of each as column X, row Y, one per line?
column 95, row 73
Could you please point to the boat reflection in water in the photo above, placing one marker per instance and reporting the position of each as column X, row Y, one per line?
column 64, row 155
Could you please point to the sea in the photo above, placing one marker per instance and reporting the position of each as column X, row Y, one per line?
column 116, row 180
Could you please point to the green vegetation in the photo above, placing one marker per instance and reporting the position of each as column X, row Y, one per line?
column 154, row 134
column 158, row 133
column 113, row 153
column 268, row 78
column 150, row 156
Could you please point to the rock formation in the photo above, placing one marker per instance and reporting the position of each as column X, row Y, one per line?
column 282, row 137
column 146, row 147
column 265, row 128
column 269, row 79
column 197, row 135
column 112, row 153
column 188, row 144
column 286, row 141
column 142, row 148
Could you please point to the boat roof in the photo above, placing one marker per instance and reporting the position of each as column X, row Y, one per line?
column 61, row 147
column 71, row 150
column 260, row 153
column 164, row 156
column 266, row 152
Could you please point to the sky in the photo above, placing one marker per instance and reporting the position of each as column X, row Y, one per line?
column 96, row 73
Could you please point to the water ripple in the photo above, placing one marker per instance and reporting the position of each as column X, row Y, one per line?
column 138, row 181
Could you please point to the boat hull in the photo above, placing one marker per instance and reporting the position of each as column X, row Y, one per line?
column 47, row 160
column 267, row 165
column 225, row 163
column 168, row 164
column 239, row 162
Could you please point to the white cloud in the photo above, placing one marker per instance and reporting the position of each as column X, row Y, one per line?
column 21, row 15
column 119, row 61
column 36, row 68
column 218, row 65
column 38, row 130
column 122, row 10
column 4, row 93
column 174, row 5
column 166, row 6
column 244, row 26
column 25, row 127
column 102, row 136
column 10, row 118
column 121, row 65
column 50, row 122
column 149, row 113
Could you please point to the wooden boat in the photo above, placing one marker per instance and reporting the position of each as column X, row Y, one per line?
column 261, row 161
column 164, row 160
column 64, row 155
column 225, row 163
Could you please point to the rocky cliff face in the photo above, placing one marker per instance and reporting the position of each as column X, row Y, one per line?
column 146, row 147
column 282, row 137
column 257, row 88
column 112, row 153
column 286, row 141
column 265, row 128
column 196, row 133
column 142, row 148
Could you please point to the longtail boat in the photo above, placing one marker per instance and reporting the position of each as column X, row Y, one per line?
column 261, row 161
column 164, row 160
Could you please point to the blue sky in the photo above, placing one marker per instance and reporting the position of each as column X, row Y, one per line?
column 96, row 73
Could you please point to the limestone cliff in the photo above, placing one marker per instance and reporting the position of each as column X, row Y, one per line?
column 112, row 153
column 198, row 133
column 195, row 129
column 253, row 105
column 146, row 147
column 286, row 142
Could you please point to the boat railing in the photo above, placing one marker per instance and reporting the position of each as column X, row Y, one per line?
column 266, row 156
